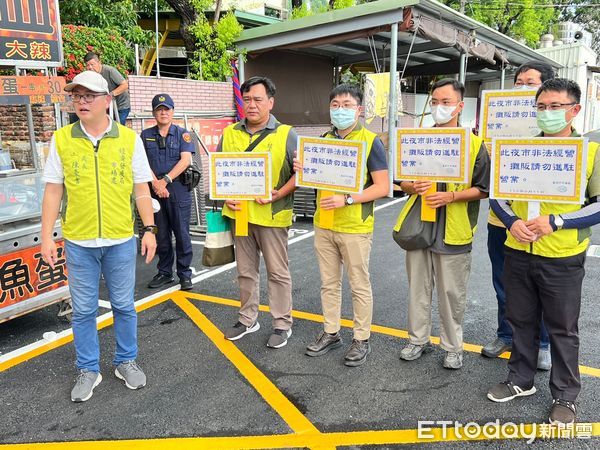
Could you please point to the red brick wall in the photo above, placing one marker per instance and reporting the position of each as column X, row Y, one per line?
column 188, row 95
column 13, row 122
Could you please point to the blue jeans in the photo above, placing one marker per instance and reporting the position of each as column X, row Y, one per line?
column 117, row 264
column 495, row 243
column 123, row 113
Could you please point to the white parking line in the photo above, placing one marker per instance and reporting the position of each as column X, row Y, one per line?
column 203, row 275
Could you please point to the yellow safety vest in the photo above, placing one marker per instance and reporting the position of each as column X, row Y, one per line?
column 98, row 196
column 461, row 217
column 357, row 218
column 279, row 213
column 561, row 243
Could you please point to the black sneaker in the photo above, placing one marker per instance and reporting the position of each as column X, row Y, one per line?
column 186, row 284
column 357, row 353
column 279, row 338
column 240, row 330
column 160, row 280
column 562, row 412
column 507, row 390
column 323, row 344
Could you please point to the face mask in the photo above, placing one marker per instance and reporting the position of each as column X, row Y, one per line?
column 342, row 118
column 551, row 122
column 442, row 114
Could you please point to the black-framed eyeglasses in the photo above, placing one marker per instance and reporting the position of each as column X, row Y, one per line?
column 553, row 106
column 88, row 98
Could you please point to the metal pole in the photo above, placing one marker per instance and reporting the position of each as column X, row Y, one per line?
column 502, row 76
column 30, row 129
column 463, row 68
column 393, row 106
column 241, row 69
column 137, row 59
column 156, row 34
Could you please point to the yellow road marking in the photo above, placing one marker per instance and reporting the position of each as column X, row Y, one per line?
column 66, row 339
column 265, row 387
column 586, row 370
column 312, row 440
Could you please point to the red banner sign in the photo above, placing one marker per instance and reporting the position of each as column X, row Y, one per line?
column 16, row 90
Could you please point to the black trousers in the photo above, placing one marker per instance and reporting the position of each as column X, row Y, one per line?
column 536, row 285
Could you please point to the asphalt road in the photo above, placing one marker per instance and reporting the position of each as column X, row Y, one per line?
column 201, row 386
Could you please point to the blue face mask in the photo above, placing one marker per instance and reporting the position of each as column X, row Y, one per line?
column 342, row 118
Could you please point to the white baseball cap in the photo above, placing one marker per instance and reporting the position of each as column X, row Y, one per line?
column 89, row 79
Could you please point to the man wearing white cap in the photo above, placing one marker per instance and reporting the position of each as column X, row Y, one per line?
column 96, row 165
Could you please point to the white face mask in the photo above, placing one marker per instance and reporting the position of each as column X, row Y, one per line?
column 442, row 114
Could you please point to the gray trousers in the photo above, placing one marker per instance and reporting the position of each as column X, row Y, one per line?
column 273, row 243
column 449, row 274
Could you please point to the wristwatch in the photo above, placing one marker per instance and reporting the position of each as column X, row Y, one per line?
column 556, row 222
column 150, row 228
column 348, row 200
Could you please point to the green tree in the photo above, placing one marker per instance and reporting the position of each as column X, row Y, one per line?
column 522, row 19
column 119, row 15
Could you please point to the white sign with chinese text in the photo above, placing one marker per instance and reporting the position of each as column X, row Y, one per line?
column 240, row 176
column 331, row 164
column 539, row 169
column 508, row 114
column 434, row 154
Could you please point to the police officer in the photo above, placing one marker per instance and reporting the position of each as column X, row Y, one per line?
column 169, row 148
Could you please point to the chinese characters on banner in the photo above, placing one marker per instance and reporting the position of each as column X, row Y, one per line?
column 434, row 154
column 539, row 169
column 240, row 176
column 331, row 164
column 16, row 90
column 24, row 274
column 507, row 114
column 30, row 32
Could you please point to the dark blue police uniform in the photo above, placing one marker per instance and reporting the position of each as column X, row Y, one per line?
column 175, row 211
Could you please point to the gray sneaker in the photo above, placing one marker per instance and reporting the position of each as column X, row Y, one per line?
column 84, row 385
column 544, row 360
column 131, row 373
column 495, row 349
column 413, row 351
column 357, row 353
column 323, row 344
column 240, row 330
column 279, row 338
column 453, row 360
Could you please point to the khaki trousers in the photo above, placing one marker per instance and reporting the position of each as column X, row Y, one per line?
column 449, row 273
column 337, row 250
column 272, row 242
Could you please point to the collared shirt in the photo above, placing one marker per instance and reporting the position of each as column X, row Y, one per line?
column 53, row 173
column 290, row 145
column 178, row 140
column 377, row 159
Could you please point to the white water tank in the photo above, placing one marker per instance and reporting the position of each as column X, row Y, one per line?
column 546, row 40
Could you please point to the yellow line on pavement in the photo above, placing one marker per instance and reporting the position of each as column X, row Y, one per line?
column 464, row 432
column 265, row 387
column 473, row 348
column 66, row 339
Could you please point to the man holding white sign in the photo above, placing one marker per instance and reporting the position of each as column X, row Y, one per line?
column 348, row 241
column 544, row 265
column 268, row 220
column 530, row 75
column 446, row 262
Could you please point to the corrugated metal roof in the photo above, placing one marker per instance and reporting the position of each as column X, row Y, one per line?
column 359, row 36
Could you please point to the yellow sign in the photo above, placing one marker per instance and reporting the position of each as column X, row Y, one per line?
column 331, row 164
column 240, row 176
column 539, row 169
column 507, row 114
column 432, row 154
